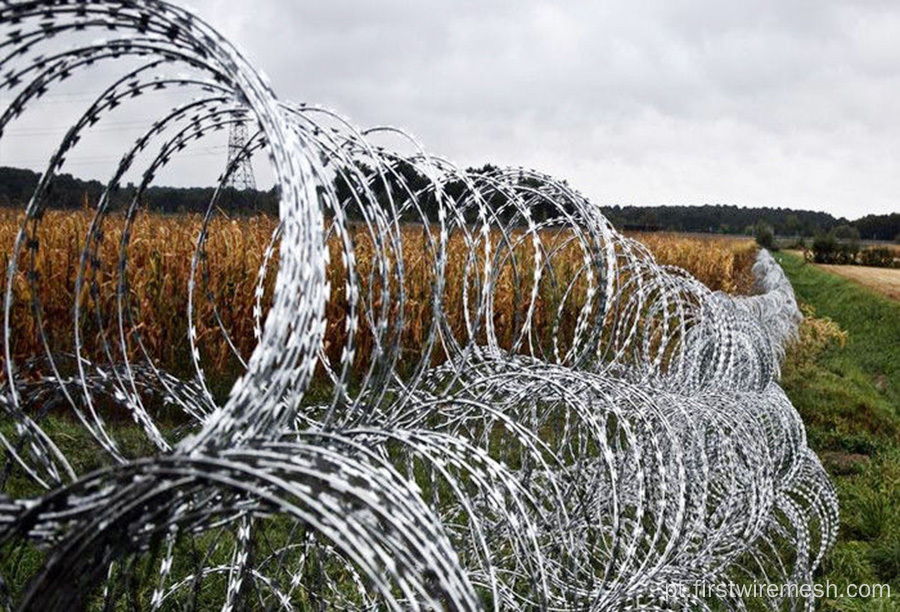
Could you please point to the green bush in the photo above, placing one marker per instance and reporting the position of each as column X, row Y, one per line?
column 828, row 249
column 824, row 248
column 881, row 257
column 848, row 252
column 765, row 236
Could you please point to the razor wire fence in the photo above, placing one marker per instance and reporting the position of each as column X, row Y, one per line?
column 617, row 428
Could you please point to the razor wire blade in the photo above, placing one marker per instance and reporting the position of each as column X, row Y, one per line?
column 515, row 406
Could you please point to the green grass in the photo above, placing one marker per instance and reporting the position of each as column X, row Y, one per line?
column 849, row 398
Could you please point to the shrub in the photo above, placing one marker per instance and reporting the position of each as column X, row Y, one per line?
column 765, row 236
column 824, row 248
column 828, row 249
column 881, row 257
column 847, row 252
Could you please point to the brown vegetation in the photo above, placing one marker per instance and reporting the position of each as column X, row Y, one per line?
column 159, row 258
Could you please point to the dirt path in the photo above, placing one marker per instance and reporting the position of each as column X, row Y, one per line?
column 885, row 281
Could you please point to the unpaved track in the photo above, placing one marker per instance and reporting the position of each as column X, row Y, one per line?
column 885, row 281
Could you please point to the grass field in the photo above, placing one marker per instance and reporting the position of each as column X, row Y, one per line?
column 844, row 379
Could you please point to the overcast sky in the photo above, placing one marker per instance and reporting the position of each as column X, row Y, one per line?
column 764, row 103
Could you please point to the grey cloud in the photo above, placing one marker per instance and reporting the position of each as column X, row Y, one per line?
column 784, row 103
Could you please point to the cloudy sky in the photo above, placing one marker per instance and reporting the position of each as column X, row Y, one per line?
column 765, row 103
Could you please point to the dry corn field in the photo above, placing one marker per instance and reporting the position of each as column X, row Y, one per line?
column 229, row 294
column 720, row 263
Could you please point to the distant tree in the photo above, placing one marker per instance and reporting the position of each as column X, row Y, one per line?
column 846, row 232
column 765, row 236
column 879, row 227
column 649, row 219
column 792, row 224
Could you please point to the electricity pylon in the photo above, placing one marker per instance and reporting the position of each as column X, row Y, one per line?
column 242, row 177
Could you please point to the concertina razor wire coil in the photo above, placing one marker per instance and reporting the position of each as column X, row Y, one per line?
column 620, row 432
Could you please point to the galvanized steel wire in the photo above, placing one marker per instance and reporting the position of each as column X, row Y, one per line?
column 594, row 452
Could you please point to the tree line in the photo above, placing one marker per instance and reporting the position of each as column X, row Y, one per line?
column 729, row 219
column 68, row 192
